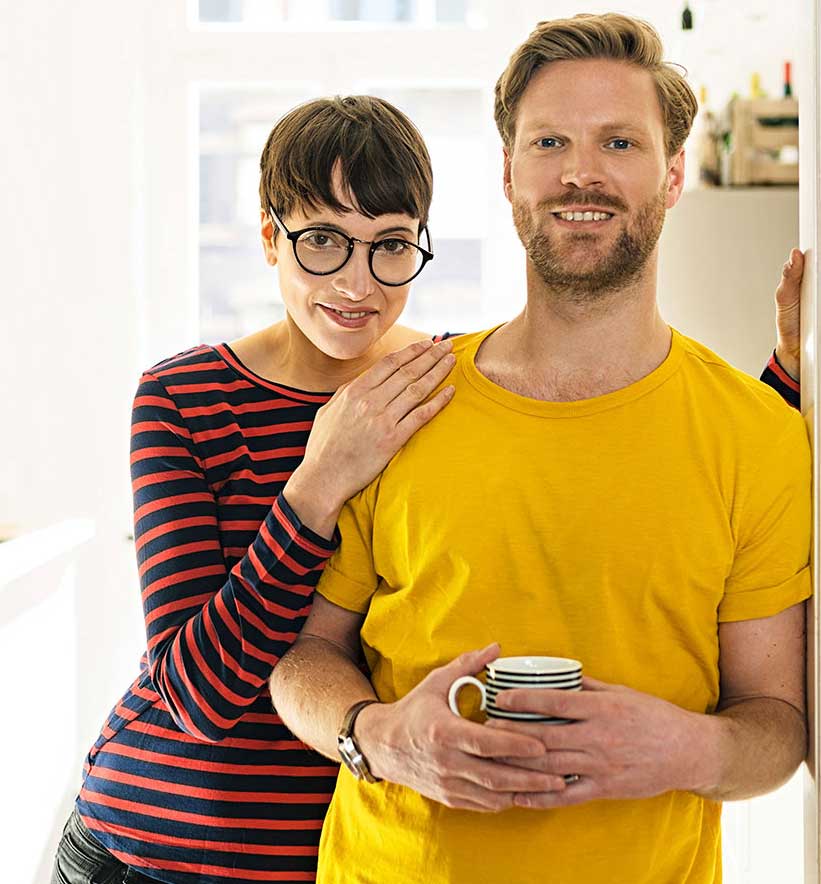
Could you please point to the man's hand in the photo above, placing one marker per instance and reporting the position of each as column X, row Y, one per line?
column 622, row 743
column 788, row 314
column 418, row 742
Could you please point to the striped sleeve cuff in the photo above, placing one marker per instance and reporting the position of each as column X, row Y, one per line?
column 302, row 535
column 788, row 388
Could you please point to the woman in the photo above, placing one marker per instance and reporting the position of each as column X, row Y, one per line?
column 241, row 461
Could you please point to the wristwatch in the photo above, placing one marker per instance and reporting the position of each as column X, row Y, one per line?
column 349, row 750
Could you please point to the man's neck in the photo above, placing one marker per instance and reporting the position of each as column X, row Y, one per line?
column 563, row 348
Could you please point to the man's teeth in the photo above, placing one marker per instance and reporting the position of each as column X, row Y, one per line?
column 584, row 216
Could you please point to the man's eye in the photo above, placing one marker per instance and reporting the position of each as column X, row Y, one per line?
column 547, row 142
column 621, row 143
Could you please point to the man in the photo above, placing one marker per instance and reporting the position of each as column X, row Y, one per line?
column 600, row 487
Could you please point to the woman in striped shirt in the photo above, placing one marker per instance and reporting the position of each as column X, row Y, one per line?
column 241, row 459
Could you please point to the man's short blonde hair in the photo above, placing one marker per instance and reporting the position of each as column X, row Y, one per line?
column 611, row 36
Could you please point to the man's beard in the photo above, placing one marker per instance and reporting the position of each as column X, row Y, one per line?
column 583, row 282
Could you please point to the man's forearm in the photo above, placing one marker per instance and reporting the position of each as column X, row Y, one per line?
column 313, row 686
column 758, row 744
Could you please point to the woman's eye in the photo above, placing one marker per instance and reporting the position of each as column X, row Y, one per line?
column 393, row 246
column 620, row 143
column 320, row 240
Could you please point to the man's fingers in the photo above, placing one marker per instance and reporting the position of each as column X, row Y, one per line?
column 493, row 776
column 468, row 663
column 553, row 737
column 788, row 293
column 559, row 763
column 584, row 789
column 547, row 701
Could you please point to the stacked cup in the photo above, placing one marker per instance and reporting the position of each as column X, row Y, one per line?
column 505, row 673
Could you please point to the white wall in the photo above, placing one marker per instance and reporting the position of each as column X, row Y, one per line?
column 68, row 77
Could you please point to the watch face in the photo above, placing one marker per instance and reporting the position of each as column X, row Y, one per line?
column 350, row 755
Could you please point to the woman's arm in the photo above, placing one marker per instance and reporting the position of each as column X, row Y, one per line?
column 215, row 636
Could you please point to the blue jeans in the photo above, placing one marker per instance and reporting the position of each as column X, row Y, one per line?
column 81, row 859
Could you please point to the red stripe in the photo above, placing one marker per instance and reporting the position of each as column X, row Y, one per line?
column 292, row 532
column 176, row 525
column 118, row 776
column 236, row 847
column 178, row 500
column 159, row 427
column 229, row 872
column 181, row 577
column 208, row 386
column 250, row 770
column 172, row 702
column 174, row 552
column 161, row 451
column 264, row 745
column 213, row 365
column 155, row 402
column 220, row 687
column 200, row 703
column 279, row 610
column 161, row 478
column 227, row 617
column 256, row 456
column 240, row 525
column 182, row 816
column 279, row 551
column 294, row 394
column 782, row 375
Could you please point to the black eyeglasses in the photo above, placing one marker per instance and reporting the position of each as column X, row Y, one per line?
column 324, row 250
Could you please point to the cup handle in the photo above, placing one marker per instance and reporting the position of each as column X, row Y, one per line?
column 457, row 686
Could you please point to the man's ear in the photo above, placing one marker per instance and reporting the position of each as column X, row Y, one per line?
column 675, row 179
column 267, row 231
column 508, row 187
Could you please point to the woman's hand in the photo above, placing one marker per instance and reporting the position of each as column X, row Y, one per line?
column 363, row 425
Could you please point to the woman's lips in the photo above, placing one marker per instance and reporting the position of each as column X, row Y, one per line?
column 348, row 321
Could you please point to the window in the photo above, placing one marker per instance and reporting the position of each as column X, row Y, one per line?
column 313, row 14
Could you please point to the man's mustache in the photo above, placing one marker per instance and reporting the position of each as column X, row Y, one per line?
column 600, row 200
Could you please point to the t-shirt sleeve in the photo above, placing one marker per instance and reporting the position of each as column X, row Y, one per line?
column 350, row 579
column 772, row 523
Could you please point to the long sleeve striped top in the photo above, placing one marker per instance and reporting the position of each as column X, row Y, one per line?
column 193, row 777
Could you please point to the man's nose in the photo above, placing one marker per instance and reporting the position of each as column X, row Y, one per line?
column 354, row 279
column 583, row 167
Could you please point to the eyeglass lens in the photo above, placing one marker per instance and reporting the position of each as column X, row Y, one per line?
column 393, row 261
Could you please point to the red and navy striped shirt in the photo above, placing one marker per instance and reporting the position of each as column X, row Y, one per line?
column 194, row 778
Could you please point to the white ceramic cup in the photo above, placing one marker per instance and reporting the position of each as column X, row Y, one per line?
column 520, row 665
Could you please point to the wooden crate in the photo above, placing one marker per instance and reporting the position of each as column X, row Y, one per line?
column 759, row 129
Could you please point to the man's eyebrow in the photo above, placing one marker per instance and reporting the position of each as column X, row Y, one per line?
column 610, row 126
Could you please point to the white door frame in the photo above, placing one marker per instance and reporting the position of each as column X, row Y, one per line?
column 810, row 242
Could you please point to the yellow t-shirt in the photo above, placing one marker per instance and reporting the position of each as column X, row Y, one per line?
column 618, row 530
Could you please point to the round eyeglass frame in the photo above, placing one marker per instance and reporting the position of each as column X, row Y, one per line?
column 294, row 235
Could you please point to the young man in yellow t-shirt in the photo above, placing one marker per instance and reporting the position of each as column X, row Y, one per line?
column 601, row 487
